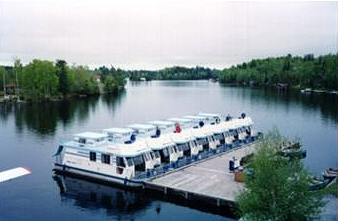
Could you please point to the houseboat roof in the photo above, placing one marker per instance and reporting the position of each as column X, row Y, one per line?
column 90, row 135
column 118, row 130
column 248, row 121
column 160, row 142
column 206, row 130
column 197, row 133
column 182, row 137
column 209, row 115
column 179, row 120
column 129, row 150
column 239, row 122
column 223, row 126
column 193, row 117
column 142, row 126
column 162, row 122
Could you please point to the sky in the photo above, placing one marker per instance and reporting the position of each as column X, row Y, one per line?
column 153, row 34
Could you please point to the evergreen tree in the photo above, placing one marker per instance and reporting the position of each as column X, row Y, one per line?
column 61, row 66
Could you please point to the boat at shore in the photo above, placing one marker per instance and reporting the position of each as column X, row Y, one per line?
column 132, row 155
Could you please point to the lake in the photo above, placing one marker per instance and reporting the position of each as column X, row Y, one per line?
column 30, row 133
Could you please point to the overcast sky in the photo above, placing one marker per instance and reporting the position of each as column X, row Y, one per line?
column 154, row 34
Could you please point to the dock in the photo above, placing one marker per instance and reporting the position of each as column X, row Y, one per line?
column 208, row 180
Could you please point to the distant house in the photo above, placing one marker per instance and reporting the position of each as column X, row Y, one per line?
column 11, row 88
column 97, row 78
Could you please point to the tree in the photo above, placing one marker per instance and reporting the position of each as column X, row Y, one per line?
column 39, row 79
column 279, row 187
column 82, row 82
column 3, row 76
column 110, row 85
column 61, row 67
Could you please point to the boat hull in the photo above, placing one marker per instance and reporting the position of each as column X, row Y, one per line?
column 106, row 178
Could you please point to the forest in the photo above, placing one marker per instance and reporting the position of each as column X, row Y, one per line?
column 174, row 73
column 47, row 80
column 294, row 71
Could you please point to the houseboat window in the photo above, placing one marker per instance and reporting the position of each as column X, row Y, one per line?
column 183, row 146
column 92, row 156
column 175, row 149
column 219, row 136
column 157, row 154
column 170, row 150
column 82, row 140
column 202, row 141
column 138, row 160
column 165, row 152
column 120, row 162
column 105, row 158
column 129, row 162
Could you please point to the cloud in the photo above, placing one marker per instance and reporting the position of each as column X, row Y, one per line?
column 155, row 34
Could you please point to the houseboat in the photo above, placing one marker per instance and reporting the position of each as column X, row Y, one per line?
column 131, row 155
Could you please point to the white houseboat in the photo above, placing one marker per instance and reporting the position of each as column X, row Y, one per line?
column 128, row 156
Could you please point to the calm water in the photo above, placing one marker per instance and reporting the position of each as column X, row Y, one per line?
column 29, row 134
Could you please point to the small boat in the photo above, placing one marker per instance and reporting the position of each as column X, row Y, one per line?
column 306, row 91
column 318, row 183
column 330, row 173
column 292, row 150
column 301, row 154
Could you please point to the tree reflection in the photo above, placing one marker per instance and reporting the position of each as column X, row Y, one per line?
column 44, row 118
column 325, row 103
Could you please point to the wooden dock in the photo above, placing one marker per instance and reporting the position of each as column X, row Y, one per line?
column 208, row 180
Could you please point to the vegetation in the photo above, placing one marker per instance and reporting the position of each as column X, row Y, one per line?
column 279, row 187
column 114, row 79
column 303, row 72
column 175, row 73
column 41, row 79
column 45, row 80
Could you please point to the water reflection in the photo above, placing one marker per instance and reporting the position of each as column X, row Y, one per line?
column 326, row 104
column 89, row 195
column 112, row 101
column 127, row 204
column 44, row 118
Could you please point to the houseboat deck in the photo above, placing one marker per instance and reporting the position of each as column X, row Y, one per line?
column 208, row 179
